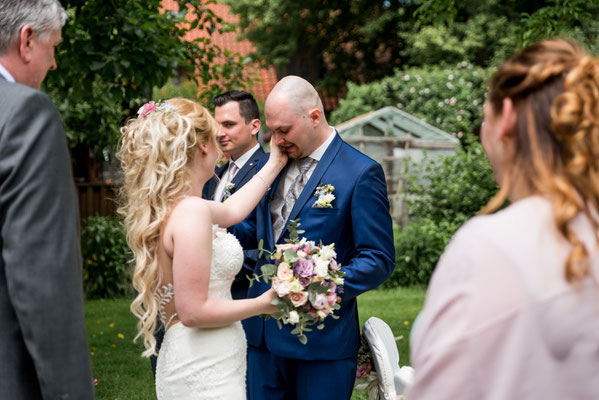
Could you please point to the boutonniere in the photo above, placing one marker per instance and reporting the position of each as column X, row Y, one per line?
column 229, row 187
column 325, row 196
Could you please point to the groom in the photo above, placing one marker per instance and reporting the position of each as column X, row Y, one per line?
column 359, row 223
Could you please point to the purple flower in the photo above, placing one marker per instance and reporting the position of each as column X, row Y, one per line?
column 303, row 268
column 305, row 281
column 340, row 289
column 331, row 286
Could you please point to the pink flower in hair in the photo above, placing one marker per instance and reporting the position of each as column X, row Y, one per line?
column 147, row 109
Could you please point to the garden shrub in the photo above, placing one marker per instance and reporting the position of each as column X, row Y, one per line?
column 418, row 247
column 448, row 98
column 106, row 257
column 442, row 194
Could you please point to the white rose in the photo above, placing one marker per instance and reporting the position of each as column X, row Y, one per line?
column 327, row 252
column 321, row 267
column 293, row 317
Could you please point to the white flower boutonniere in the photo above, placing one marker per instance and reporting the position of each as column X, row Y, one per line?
column 325, row 196
column 229, row 187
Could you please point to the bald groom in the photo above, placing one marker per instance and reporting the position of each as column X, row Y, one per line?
column 358, row 222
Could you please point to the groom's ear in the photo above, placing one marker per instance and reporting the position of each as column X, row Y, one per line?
column 25, row 43
column 315, row 115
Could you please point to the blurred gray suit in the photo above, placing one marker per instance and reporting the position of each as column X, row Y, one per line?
column 43, row 345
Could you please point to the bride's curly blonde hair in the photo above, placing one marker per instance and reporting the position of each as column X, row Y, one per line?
column 156, row 152
column 554, row 86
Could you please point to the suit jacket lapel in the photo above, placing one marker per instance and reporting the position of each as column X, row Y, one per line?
column 321, row 167
column 212, row 184
column 247, row 167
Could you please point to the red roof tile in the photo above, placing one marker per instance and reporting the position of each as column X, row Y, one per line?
column 266, row 77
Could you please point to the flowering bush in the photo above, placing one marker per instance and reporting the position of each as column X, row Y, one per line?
column 448, row 98
column 307, row 279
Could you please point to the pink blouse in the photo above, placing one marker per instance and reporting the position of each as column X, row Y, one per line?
column 500, row 321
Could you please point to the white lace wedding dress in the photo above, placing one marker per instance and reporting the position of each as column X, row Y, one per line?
column 206, row 363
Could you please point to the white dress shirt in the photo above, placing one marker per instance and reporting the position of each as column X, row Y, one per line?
column 4, row 72
column 317, row 154
column 240, row 162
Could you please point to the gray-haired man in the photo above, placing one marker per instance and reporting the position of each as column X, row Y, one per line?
column 43, row 348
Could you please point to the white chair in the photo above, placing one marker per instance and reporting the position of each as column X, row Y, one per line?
column 392, row 380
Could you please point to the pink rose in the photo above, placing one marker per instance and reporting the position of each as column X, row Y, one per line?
column 299, row 298
column 283, row 288
column 284, row 272
column 319, row 301
column 331, row 298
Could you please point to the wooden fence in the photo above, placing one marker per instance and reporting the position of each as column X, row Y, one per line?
column 96, row 199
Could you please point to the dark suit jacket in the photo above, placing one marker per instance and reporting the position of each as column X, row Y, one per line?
column 241, row 283
column 43, row 351
column 359, row 224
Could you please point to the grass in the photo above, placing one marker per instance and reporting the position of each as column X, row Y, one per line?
column 124, row 375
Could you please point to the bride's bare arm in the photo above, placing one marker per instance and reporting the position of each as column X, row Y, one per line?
column 237, row 207
column 190, row 229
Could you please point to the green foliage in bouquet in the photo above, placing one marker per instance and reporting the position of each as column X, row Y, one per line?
column 105, row 258
column 307, row 280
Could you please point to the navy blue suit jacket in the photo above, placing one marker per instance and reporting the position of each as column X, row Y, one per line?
column 359, row 224
column 240, row 285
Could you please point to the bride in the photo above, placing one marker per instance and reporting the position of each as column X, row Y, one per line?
column 184, row 261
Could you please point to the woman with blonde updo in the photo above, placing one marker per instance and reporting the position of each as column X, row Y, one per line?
column 184, row 261
column 512, row 310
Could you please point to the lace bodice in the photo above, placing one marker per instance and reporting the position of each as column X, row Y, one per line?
column 205, row 363
column 227, row 259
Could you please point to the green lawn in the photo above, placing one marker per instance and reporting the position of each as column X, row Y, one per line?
column 124, row 375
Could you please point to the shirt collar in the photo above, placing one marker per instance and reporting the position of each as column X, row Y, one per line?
column 319, row 152
column 240, row 162
column 4, row 72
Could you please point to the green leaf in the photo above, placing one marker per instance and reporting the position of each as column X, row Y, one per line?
column 291, row 255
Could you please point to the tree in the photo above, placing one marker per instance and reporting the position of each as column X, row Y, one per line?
column 327, row 41
column 113, row 54
column 487, row 32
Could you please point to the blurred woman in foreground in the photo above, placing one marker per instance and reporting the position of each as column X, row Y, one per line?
column 512, row 310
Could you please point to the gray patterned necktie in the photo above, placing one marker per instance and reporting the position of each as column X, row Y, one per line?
column 288, row 201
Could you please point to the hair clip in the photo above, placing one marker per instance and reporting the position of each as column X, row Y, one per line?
column 152, row 106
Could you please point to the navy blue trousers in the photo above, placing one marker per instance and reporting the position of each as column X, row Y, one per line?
column 271, row 377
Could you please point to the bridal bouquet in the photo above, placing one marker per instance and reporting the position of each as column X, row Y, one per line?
column 307, row 280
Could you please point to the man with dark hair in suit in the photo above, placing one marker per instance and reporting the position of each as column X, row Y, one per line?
column 239, row 118
column 44, row 349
